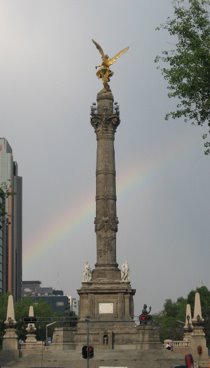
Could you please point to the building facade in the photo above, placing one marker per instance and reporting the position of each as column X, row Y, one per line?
column 56, row 299
column 74, row 305
column 1, row 239
column 11, row 240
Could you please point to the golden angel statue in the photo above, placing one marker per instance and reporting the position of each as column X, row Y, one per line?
column 104, row 71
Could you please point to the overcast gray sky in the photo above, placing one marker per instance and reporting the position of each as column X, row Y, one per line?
column 47, row 84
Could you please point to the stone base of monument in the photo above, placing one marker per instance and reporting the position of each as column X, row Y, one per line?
column 63, row 338
column 31, row 342
column 114, row 336
column 31, row 338
column 198, row 346
column 10, row 341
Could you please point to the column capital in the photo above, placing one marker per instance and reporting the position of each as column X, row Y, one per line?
column 105, row 115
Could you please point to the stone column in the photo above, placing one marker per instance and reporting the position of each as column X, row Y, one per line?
column 31, row 329
column 105, row 296
column 105, row 120
column 188, row 327
column 198, row 339
column 10, row 341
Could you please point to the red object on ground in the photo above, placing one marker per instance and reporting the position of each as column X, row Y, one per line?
column 189, row 360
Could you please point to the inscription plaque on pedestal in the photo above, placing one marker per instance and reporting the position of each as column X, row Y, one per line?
column 106, row 308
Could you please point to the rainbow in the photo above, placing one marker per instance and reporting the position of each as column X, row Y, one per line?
column 73, row 217
column 57, row 228
column 134, row 177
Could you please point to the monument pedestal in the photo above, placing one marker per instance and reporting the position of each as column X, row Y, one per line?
column 10, row 340
column 64, row 338
column 31, row 341
column 107, row 335
column 198, row 347
column 106, row 300
column 106, row 308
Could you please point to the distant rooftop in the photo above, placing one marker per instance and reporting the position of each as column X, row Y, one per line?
column 32, row 282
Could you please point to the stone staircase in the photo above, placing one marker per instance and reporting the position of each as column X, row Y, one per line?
column 73, row 359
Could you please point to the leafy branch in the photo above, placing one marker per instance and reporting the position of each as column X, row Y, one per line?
column 187, row 67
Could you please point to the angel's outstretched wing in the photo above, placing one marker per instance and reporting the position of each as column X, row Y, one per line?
column 113, row 59
column 99, row 48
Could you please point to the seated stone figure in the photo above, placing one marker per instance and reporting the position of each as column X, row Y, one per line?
column 145, row 316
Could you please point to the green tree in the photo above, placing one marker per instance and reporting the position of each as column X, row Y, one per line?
column 21, row 311
column 169, row 319
column 42, row 312
column 188, row 64
column 5, row 192
column 3, row 306
column 3, row 313
column 3, row 196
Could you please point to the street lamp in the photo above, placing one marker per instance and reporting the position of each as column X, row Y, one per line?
column 48, row 325
column 87, row 320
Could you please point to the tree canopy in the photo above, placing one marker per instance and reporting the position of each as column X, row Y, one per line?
column 42, row 311
column 171, row 319
column 186, row 67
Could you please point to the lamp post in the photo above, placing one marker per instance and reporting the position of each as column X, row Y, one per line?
column 87, row 320
column 49, row 324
